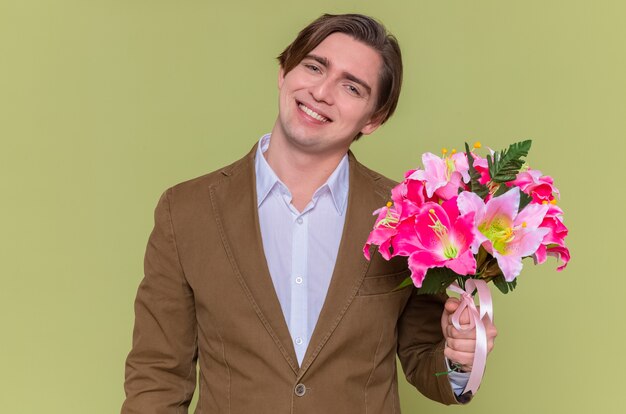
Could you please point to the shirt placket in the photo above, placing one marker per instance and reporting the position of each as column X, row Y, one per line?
column 298, row 282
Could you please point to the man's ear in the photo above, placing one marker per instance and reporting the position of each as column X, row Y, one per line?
column 372, row 125
column 281, row 77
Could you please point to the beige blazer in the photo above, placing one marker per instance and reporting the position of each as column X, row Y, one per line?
column 207, row 297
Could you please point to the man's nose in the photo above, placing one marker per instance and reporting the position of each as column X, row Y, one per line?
column 322, row 91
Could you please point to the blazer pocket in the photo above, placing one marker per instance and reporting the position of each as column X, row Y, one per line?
column 377, row 285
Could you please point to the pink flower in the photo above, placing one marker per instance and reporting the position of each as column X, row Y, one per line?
column 443, row 176
column 435, row 221
column 559, row 252
column 407, row 199
column 406, row 240
column 539, row 187
column 504, row 233
column 482, row 167
column 383, row 232
column 553, row 243
column 443, row 239
column 408, row 196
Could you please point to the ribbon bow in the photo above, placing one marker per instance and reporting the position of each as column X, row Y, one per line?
column 476, row 321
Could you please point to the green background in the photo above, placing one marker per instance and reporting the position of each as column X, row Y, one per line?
column 104, row 104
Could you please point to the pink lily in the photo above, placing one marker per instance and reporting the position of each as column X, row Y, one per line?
column 407, row 197
column 482, row 168
column 443, row 176
column 502, row 231
column 383, row 232
column 444, row 238
column 559, row 252
column 539, row 187
column 553, row 244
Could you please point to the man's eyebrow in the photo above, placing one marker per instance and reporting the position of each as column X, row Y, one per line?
column 324, row 62
column 319, row 59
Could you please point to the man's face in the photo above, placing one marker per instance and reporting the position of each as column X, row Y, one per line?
column 330, row 96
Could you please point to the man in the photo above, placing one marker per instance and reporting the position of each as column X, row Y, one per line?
column 256, row 271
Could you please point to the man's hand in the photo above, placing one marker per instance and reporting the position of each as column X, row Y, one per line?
column 460, row 345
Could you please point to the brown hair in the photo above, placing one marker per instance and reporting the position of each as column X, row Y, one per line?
column 364, row 29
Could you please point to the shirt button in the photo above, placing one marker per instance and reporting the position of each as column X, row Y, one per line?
column 300, row 390
column 299, row 220
column 299, row 341
column 299, row 280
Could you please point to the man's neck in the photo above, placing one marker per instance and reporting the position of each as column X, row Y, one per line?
column 302, row 172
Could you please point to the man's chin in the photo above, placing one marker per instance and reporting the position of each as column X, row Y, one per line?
column 304, row 141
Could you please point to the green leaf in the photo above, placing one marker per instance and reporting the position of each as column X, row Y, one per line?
column 504, row 286
column 475, row 185
column 506, row 164
column 524, row 200
column 501, row 190
column 406, row 282
column 437, row 280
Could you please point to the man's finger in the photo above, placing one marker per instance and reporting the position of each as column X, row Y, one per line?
column 451, row 305
column 461, row 345
column 464, row 319
column 452, row 332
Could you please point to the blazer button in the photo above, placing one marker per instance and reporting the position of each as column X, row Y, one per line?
column 300, row 390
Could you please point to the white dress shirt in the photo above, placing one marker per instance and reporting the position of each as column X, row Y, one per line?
column 301, row 247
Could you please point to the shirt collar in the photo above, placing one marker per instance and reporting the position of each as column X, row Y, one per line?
column 266, row 179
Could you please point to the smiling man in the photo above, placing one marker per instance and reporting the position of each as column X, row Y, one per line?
column 326, row 100
column 255, row 272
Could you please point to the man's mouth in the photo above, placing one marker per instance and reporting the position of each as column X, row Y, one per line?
column 312, row 113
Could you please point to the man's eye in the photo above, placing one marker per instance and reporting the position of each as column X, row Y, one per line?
column 353, row 90
column 312, row 68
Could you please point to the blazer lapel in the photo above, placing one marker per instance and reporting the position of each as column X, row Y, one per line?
column 364, row 196
column 234, row 202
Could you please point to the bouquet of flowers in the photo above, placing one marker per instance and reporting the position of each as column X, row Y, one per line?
column 465, row 220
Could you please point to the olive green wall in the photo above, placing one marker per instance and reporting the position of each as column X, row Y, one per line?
column 104, row 104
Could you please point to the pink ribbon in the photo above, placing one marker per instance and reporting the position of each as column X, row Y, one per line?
column 476, row 321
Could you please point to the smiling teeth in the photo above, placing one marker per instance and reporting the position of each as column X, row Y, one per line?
column 312, row 114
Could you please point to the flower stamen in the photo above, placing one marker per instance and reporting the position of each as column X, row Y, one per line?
column 390, row 220
column 500, row 235
column 441, row 231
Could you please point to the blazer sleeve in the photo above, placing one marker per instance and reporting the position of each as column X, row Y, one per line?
column 161, row 367
column 421, row 344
